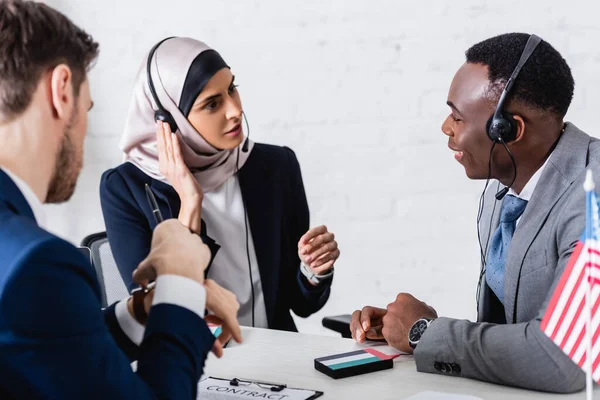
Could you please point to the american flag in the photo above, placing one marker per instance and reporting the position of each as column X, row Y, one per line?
column 568, row 313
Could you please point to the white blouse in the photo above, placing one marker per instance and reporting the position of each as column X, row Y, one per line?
column 223, row 212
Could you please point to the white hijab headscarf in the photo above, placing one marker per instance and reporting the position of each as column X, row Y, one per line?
column 169, row 68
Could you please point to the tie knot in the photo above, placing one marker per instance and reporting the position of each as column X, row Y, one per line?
column 512, row 208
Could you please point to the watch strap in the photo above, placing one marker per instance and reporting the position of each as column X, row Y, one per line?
column 312, row 277
column 138, row 306
column 139, row 311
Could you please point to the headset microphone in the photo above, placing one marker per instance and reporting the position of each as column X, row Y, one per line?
column 245, row 146
column 500, row 195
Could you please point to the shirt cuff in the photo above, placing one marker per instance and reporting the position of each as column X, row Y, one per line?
column 133, row 329
column 180, row 291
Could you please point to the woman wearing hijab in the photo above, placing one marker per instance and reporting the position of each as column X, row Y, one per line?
column 246, row 200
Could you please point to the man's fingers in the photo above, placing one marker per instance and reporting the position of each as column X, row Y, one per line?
column 217, row 348
column 208, row 283
column 142, row 279
column 374, row 312
column 144, row 272
column 224, row 337
column 354, row 321
column 375, row 332
column 311, row 234
column 234, row 328
column 213, row 319
column 355, row 326
column 432, row 310
column 365, row 319
column 369, row 314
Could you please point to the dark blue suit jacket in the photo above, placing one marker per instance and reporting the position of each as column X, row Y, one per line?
column 273, row 192
column 56, row 342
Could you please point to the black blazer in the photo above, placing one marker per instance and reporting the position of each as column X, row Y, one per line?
column 273, row 192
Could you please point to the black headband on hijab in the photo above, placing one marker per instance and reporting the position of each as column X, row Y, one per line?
column 204, row 67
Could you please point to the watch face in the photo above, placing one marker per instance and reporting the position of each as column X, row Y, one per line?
column 417, row 331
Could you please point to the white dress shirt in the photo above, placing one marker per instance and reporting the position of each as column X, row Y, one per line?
column 170, row 289
column 34, row 203
column 530, row 186
column 223, row 212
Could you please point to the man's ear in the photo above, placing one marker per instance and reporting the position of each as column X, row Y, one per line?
column 61, row 88
column 520, row 128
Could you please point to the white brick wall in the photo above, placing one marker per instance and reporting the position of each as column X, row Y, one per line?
column 358, row 90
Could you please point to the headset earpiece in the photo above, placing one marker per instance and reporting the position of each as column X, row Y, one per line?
column 165, row 116
column 503, row 129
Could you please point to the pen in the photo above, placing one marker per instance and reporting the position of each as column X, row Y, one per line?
column 158, row 218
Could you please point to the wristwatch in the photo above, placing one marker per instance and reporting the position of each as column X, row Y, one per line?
column 417, row 331
column 312, row 277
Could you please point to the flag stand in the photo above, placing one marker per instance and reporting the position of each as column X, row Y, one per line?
column 589, row 383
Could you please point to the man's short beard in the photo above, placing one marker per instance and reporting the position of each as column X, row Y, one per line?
column 66, row 171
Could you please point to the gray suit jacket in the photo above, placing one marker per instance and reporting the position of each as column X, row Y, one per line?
column 511, row 349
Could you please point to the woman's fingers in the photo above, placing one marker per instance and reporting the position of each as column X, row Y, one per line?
column 328, row 247
column 177, row 157
column 311, row 234
column 168, row 142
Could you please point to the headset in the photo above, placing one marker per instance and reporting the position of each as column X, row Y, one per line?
column 161, row 114
column 501, row 128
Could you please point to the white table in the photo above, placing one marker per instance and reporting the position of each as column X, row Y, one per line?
column 284, row 357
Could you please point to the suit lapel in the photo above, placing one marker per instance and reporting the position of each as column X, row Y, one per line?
column 564, row 166
column 256, row 186
column 10, row 193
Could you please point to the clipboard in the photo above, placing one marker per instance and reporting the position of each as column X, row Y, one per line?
column 211, row 387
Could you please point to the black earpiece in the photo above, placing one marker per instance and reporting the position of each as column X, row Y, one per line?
column 161, row 114
column 503, row 128
column 165, row 116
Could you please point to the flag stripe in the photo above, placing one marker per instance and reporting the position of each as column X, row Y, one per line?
column 567, row 315
column 575, row 322
column 576, row 347
column 572, row 348
column 549, row 320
